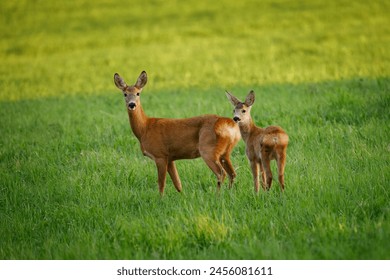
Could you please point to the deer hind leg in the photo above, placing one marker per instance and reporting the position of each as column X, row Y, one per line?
column 174, row 175
column 162, row 166
column 214, row 164
column 223, row 171
column 281, row 161
column 228, row 167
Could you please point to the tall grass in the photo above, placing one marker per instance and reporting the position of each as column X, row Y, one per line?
column 74, row 184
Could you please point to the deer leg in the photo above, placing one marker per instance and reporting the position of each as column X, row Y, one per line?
column 174, row 175
column 228, row 167
column 223, row 171
column 216, row 167
column 266, row 162
column 263, row 178
column 281, row 160
column 255, row 173
column 162, row 174
column 268, row 174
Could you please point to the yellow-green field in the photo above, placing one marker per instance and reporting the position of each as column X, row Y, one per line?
column 74, row 184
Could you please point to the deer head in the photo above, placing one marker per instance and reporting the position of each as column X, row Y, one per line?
column 242, row 109
column 131, row 93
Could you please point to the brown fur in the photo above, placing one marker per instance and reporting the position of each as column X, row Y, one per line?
column 166, row 140
column 262, row 144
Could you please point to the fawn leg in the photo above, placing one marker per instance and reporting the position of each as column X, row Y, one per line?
column 255, row 173
column 263, row 177
column 266, row 162
column 281, row 160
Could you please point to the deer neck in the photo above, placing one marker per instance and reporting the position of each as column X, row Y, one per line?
column 246, row 129
column 138, row 121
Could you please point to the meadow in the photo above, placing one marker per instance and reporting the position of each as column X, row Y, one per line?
column 75, row 185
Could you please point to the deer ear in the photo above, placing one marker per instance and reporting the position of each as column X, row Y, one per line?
column 250, row 99
column 142, row 80
column 119, row 82
column 234, row 100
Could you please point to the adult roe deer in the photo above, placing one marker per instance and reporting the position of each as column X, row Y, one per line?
column 262, row 144
column 166, row 140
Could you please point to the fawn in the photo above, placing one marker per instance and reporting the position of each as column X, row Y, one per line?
column 262, row 144
column 166, row 140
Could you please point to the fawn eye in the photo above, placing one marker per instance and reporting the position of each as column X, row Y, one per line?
column 125, row 94
column 243, row 111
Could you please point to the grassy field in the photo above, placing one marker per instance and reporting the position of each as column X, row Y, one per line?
column 74, row 184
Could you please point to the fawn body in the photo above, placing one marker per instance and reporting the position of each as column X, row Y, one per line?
column 166, row 140
column 262, row 144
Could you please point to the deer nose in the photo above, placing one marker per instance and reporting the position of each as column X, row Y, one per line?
column 236, row 119
column 132, row 105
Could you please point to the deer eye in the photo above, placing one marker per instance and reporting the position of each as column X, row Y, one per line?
column 243, row 111
column 137, row 93
column 125, row 94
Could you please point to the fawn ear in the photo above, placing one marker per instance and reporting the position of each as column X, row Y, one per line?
column 119, row 82
column 234, row 100
column 142, row 80
column 250, row 99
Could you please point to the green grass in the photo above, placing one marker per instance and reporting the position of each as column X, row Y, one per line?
column 74, row 184
column 71, row 48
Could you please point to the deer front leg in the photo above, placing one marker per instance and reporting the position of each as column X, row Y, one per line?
column 255, row 173
column 174, row 175
column 162, row 166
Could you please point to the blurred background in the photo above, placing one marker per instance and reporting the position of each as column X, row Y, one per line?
column 51, row 48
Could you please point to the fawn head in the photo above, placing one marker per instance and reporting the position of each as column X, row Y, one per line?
column 241, row 109
column 131, row 93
